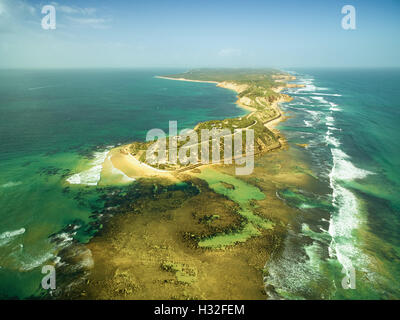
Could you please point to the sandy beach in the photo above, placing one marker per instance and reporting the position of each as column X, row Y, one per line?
column 151, row 253
column 183, row 79
column 119, row 160
column 152, row 250
column 130, row 165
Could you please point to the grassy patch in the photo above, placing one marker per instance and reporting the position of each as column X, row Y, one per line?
column 184, row 274
column 243, row 194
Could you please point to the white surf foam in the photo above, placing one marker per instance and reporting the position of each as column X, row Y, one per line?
column 91, row 176
column 7, row 236
column 29, row 262
column 320, row 99
column 306, row 99
column 347, row 217
column 329, row 139
column 343, row 168
column 10, row 234
column 315, row 115
column 341, row 227
column 11, row 184
column 308, row 123
column 330, row 121
column 39, row 88
column 328, row 94
column 308, row 86
column 334, row 107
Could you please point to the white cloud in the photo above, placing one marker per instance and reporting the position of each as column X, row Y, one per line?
column 74, row 9
column 25, row 7
column 16, row 7
column 81, row 16
column 13, row 13
column 96, row 23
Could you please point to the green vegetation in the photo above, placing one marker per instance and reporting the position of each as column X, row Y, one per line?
column 228, row 239
column 257, row 89
column 259, row 82
column 229, row 74
column 183, row 273
column 243, row 194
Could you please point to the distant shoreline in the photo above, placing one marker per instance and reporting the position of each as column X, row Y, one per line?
column 130, row 163
column 137, row 169
column 207, row 217
column 223, row 84
column 183, row 79
column 270, row 124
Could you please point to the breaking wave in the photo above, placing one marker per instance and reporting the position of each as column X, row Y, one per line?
column 91, row 176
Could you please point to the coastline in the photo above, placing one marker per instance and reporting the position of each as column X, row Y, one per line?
column 134, row 168
column 238, row 88
column 164, row 248
column 183, row 79
column 222, row 84
column 150, row 251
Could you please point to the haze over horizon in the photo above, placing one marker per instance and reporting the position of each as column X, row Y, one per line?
column 181, row 34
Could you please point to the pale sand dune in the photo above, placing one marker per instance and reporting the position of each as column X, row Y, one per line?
column 183, row 79
column 130, row 166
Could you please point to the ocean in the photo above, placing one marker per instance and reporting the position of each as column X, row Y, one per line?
column 57, row 127
column 348, row 120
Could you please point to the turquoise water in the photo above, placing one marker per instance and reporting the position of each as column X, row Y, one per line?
column 54, row 124
column 349, row 119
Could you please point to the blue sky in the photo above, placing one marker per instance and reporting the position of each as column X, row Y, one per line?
column 202, row 33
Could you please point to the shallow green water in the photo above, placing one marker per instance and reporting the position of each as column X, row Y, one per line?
column 54, row 124
column 241, row 193
column 349, row 119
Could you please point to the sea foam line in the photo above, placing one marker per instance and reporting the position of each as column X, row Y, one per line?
column 91, row 176
column 10, row 234
column 347, row 217
column 7, row 236
column 327, row 94
column 11, row 184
